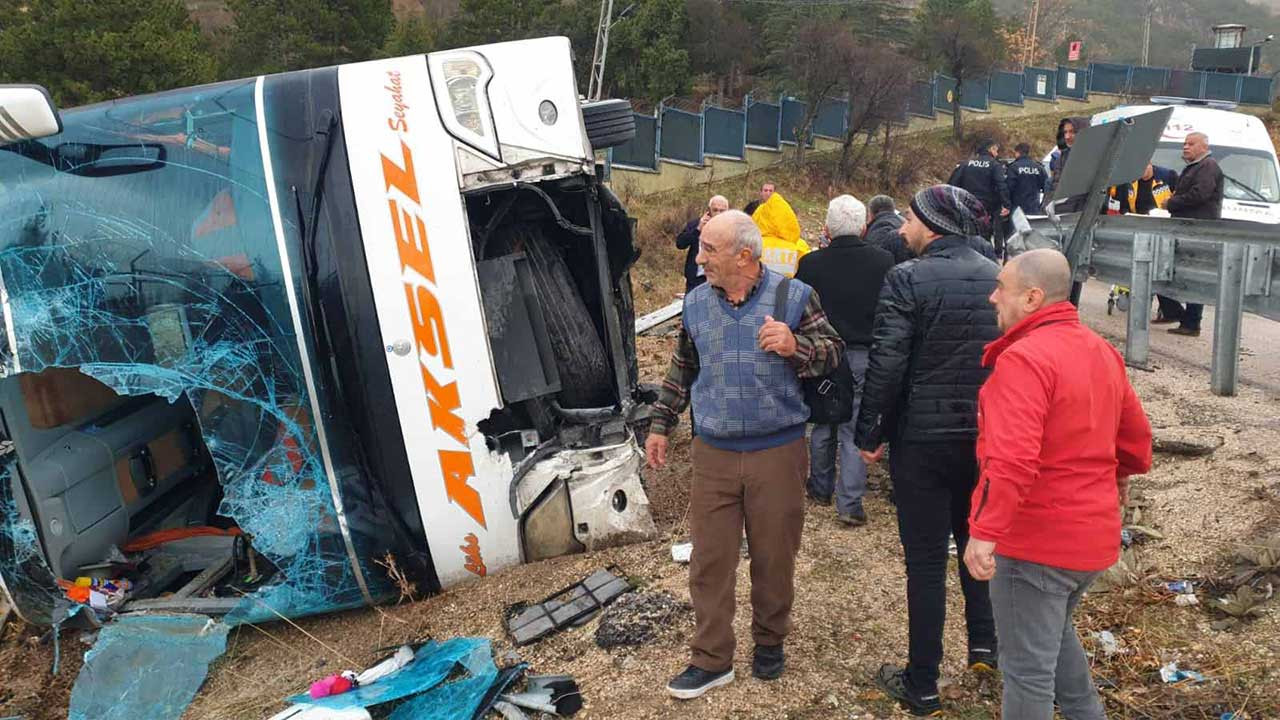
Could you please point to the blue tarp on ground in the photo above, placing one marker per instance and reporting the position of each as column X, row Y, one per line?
column 432, row 664
column 723, row 132
column 146, row 667
column 921, row 101
column 1073, row 82
column 642, row 150
column 680, row 136
column 1109, row 78
column 762, row 124
column 1040, row 83
column 1006, row 87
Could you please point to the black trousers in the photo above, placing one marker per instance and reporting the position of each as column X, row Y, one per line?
column 932, row 483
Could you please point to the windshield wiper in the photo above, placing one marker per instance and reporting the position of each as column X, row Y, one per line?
column 1251, row 191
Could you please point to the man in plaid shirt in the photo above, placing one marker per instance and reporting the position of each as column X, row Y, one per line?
column 741, row 361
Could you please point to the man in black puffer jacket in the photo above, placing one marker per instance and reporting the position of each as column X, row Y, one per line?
column 921, row 397
column 882, row 231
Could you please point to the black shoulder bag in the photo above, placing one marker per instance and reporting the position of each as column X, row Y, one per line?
column 829, row 397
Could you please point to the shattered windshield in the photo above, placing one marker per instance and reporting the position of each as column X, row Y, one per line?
column 140, row 247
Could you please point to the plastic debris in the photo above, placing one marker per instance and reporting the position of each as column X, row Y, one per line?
column 403, row 656
column 432, row 663
column 565, row 694
column 332, row 685
column 571, row 606
column 1108, row 642
column 299, row 712
column 682, row 552
column 1171, row 674
column 458, row 698
column 1179, row 587
column 146, row 666
column 1186, row 600
column 509, row 711
column 1126, row 538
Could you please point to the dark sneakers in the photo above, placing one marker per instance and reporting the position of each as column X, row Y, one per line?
column 695, row 681
column 893, row 681
column 1189, row 332
column 816, row 497
column 769, row 662
column 856, row 517
column 984, row 661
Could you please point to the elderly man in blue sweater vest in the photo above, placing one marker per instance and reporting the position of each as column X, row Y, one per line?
column 742, row 362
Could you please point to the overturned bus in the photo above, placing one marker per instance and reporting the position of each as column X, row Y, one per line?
column 284, row 345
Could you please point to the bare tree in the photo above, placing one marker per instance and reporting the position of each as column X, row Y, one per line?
column 875, row 76
column 809, row 58
column 960, row 38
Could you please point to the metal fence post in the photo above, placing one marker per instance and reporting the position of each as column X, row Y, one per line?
column 1227, row 319
column 1137, row 337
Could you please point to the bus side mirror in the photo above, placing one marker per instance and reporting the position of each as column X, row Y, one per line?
column 27, row 112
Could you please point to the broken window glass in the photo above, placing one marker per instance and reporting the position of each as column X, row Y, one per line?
column 142, row 248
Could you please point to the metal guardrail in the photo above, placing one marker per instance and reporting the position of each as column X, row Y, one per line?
column 1231, row 264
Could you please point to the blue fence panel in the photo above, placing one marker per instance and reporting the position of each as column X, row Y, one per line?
column 832, row 116
column 724, row 132
column 974, row 94
column 681, row 136
column 1109, row 78
column 944, row 90
column 1255, row 90
column 762, row 124
column 642, row 150
column 1148, row 80
column 1073, row 82
column 1006, row 88
column 1040, row 83
column 1185, row 83
column 793, row 112
column 1222, row 86
column 921, row 99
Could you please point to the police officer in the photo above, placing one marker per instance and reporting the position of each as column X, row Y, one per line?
column 984, row 177
column 1027, row 179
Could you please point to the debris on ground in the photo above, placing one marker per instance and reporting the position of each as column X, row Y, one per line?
column 639, row 618
column 430, row 679
column 572, row 606
column 682, row 552
column 1187, row 442
column 1106, row 640
column 555, row 694
column 1170, row 673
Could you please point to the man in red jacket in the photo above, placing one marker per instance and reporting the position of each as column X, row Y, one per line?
column 1060, row 430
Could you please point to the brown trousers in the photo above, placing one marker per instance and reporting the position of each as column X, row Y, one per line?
column 763, row 490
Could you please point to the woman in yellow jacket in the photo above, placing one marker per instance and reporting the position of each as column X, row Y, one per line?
column 783, row 247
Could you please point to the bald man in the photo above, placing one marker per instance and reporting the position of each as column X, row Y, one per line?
column 1060, row 430
column 1198, row 194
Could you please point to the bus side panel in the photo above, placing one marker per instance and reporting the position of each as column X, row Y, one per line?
column 428, row 303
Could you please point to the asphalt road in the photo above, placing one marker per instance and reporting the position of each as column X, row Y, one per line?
column 1259, row 361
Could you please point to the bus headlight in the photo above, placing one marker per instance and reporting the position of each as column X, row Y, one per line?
column 460, row 82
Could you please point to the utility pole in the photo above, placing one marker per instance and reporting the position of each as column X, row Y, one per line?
column 1033, row 19
column 1146, row 32
column 596, row 86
